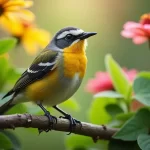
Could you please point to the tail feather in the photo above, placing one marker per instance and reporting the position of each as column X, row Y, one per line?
column 8, row 94
column 5, row 107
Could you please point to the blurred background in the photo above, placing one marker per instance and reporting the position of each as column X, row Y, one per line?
column 102, row 16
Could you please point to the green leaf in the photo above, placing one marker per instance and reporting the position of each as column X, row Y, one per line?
column 113, row 109
column 5, row 142
column 120, row 82
column 108, row 94
column 122, row 145
column 124, row 116
column 14, row 139
column 145, row 74
column 144, row 141
column 70, row 104
column 141, row 89
column 7, row 44
column 138, row 124
column 120, row 119
column 98, row 113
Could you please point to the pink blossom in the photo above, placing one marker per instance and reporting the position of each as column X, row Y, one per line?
column 138, row 32
column 103, row 82
column 130, row 74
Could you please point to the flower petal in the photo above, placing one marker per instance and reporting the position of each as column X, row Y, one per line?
column 35, row 38
column 101, row 82
column 139, row 39
column 130, row 25
column 127, row 34
column 12, row 25
column 147, row 28
column 3, row 1
column 130, row 74
column 28, row 4
column 26, row 15
column 18, row 3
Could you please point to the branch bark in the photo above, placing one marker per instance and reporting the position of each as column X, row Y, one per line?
column 41, row 122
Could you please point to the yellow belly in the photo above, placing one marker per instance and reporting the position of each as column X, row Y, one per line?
column 41, row 89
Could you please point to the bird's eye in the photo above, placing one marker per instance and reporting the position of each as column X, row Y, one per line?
column 68, row 37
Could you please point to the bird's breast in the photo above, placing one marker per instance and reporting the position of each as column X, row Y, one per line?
column 74, row 63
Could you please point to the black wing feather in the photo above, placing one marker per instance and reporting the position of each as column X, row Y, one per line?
column 36, row 72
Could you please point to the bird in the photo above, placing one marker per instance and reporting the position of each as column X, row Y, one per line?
column 55, row 74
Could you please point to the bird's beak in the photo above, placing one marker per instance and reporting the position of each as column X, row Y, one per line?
column 86, row 35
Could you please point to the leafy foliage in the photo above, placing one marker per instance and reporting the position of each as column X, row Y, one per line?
column 8, row 74
column 135, row 126
column 119, row 79
column 144, row 141
column 97, row 113
column 141, row 88
column 114, row 108
column 124, row 116
column 108, row 94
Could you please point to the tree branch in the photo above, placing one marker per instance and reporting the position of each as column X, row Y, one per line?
column 41, row 122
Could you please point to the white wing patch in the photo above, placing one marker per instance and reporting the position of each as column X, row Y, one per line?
column 31, row 71
column 41, row 64
column 73, row 32
column 46, row 64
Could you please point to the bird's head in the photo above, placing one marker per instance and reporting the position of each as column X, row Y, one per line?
column 70, row 39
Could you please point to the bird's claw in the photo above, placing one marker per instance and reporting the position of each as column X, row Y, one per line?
column 52, row 120
column 73, row 122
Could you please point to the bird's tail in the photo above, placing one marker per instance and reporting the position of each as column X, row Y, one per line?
column 6, row 106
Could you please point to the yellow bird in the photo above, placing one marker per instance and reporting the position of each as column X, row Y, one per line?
column 55, row 74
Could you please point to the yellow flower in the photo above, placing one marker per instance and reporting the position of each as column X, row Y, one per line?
column 10, row 9
column 31, row 37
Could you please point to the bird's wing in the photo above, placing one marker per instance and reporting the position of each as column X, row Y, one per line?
column 43, row 64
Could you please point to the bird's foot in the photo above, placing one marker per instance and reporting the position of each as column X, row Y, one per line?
column 73, row 122
column 52, row 120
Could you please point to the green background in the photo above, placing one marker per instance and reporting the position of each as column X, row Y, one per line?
column 102, row 16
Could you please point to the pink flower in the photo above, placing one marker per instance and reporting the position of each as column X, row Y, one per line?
column 138, row 32
column 130, row 74
column 102, row 81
